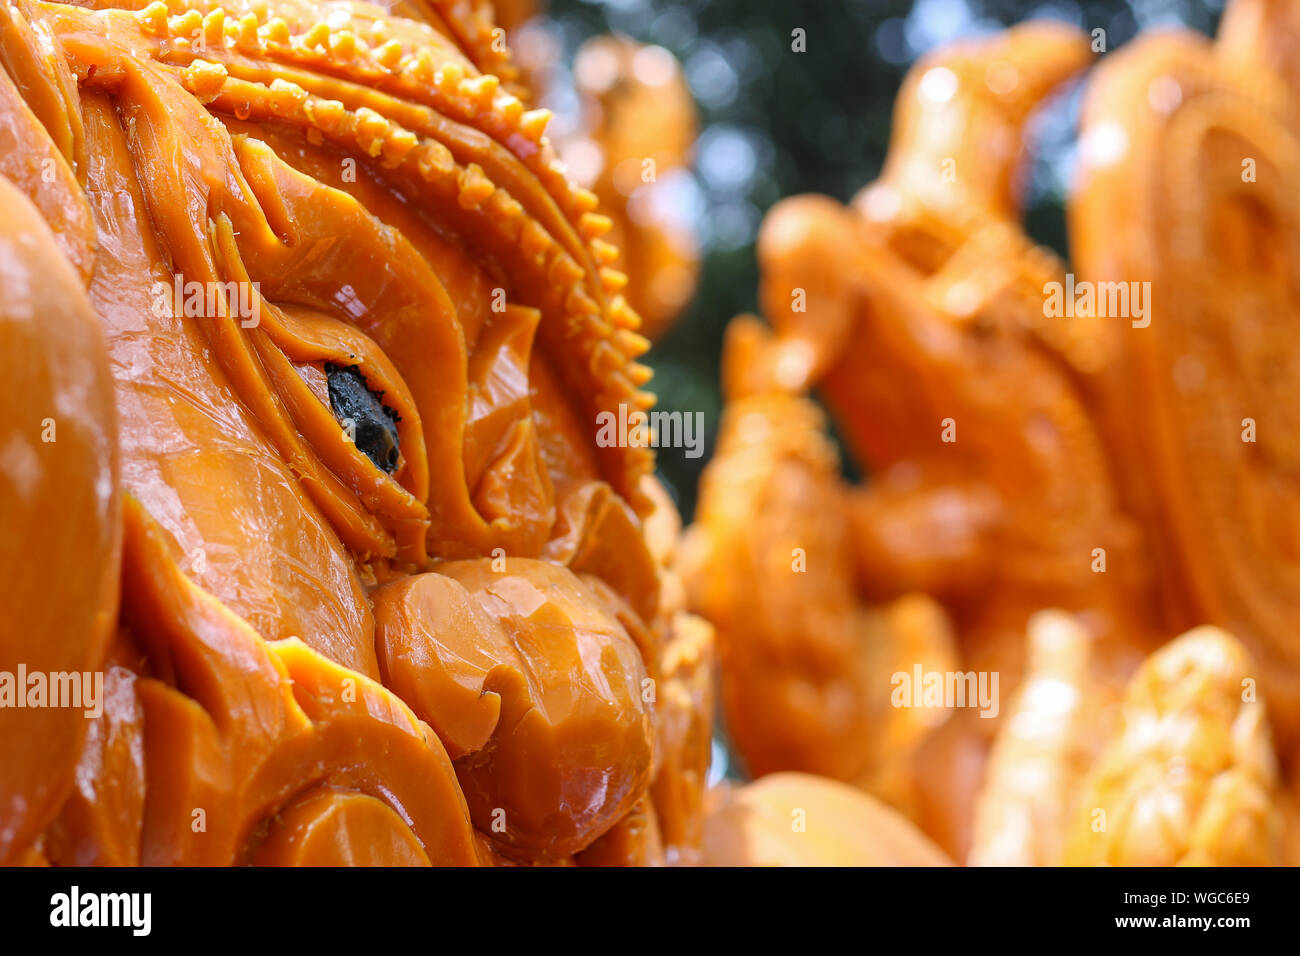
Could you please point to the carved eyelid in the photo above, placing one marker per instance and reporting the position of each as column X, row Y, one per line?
column 383, row 514
column 308, row 337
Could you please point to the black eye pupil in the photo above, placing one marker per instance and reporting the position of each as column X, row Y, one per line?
column 374, row 424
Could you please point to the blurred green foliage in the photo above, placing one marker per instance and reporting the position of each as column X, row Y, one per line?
column 775, row 123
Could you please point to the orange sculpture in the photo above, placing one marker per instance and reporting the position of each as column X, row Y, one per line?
column 804, row 666
column 1056, row 725
column 322, row 329
column 1198, row 408
column 639, row 125
column 914, row 313
column 319, row 560
column 1179, row 769
column 631, row 139
column 62, row 393
column 1022, row 453
column 794, row 819
column 1191, row 778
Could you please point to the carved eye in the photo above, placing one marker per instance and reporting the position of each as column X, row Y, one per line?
column 373, row 424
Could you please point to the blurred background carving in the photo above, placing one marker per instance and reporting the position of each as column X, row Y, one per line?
column 773, row 125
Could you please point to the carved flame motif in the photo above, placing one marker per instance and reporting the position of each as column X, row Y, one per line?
column 383, row 598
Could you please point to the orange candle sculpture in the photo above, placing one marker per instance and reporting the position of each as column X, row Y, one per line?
column 315, row 328
column 1116, row 444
